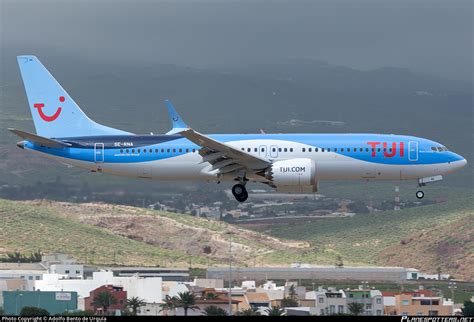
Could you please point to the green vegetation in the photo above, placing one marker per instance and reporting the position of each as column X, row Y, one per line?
column 33, row 311
column 213, row 310
column 104, row 300
column 134, row 304
column 356, row 308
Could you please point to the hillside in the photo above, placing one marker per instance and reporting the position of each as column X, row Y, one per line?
column 424, row 237
column 112, row 234
column 428, row 237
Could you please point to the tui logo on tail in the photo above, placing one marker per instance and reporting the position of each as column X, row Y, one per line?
column 45, row 117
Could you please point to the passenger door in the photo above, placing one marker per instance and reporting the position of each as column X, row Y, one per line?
column 413, row 151
column 99, row 152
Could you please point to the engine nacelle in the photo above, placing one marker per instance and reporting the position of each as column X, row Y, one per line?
column 293, row 172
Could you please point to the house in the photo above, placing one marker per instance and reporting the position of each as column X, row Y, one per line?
column 325, row 302
column 210, row 297
column 116, row 292
column 419, row 302
column 258, row 300
column 370, row 298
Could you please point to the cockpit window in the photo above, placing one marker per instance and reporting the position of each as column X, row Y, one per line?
column 439, row 148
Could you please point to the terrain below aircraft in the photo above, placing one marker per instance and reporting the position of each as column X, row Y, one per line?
column 292, row 163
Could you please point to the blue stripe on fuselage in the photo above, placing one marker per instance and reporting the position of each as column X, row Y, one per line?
column 174, row 145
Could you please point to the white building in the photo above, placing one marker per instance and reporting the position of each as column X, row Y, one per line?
column 149, row 289
column 328, row 301
column 30, row 272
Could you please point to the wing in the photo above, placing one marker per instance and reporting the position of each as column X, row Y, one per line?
column 224, row 158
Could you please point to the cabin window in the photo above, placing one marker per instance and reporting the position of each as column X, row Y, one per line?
column 309, row 149
column 342, row 149
column 390, row 149
column 121, row 150
column 384, row 149
column 335, row 149
column 168, row 150
column 133, row 150
column 355, row 149
column 361, row 150
column 156, row 150
column 174, row 150
column 248, row 150
column 366, row 149
column 378, row 150
column 255, row 150
column 279, row 149
column 127, row 150
column 322, row 149
column 242, row 149
column 285, row 149
column 303, row 149
column 291, row 149
column 329, row 149
column 151, row 150
column 316, row 149
column 180, row 150
column 187, row 150
column 273, row 150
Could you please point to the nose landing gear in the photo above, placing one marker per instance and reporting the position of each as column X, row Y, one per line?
column 420, row 194
column 239, row 192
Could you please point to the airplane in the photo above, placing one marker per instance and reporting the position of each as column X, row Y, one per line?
column 289, row 163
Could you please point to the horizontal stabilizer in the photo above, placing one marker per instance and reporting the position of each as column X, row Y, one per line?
column 51, row 143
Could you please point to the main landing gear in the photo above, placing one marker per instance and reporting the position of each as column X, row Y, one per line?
column 239, row 192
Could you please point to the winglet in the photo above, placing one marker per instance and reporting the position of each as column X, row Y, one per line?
column 177, row 122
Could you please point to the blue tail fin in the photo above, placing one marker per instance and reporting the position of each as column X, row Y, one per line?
column 55, row 113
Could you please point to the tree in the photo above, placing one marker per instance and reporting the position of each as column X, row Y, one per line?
column 135, row 303
column 249, row 312
column 211, row 296
column 169, row 303
column 213, row 310
column 33, row 311
column 289, row 302
column 468, row 309
column 292, row 292
column 186, row 300
column 275, row 311
column 104, row 300
column 356, row 308
column 339, row 262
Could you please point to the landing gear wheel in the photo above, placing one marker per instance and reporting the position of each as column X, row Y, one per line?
column 240, row 193
column 420, row 194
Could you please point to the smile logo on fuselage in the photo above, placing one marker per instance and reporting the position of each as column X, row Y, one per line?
column 49, row 118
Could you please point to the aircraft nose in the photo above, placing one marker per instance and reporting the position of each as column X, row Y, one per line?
column 458, row 163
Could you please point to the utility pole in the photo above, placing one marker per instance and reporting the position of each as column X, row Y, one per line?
column 452, row 286
column 230, row 233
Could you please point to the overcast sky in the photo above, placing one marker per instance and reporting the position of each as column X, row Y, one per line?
column 425, row 35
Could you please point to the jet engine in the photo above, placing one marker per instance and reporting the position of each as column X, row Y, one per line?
column 293, row 175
